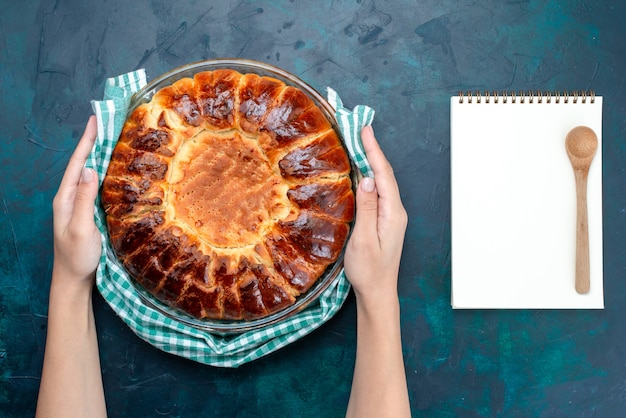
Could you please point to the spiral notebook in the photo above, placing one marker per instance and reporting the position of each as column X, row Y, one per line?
column 513, row 201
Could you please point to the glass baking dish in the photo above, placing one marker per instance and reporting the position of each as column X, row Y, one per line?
column 332, row 273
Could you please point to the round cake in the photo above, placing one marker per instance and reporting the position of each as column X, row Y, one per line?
column 228, row 195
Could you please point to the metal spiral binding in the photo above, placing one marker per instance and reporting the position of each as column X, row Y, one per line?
column 529, row 97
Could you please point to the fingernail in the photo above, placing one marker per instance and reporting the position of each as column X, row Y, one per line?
column 86, row 175
column 368, row 184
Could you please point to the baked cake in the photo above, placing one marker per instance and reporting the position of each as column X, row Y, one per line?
column 228, row 195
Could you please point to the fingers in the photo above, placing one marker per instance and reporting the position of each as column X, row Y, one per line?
column 63, row 203
column 78, row 159
column 366, row 211
column 391, row 213
column 383, row 172
column 374, row 154
column 86, row 191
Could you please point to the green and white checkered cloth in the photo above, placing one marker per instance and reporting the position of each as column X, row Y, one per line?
column 350, row 123
column 164, row 332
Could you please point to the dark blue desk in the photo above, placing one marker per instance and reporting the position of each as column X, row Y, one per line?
column 404, row 58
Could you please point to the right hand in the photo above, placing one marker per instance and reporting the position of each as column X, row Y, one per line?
column 372, row 258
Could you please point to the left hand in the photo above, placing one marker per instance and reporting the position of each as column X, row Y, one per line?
column 77, row 245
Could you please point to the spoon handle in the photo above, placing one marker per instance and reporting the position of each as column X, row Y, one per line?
column 582, row 233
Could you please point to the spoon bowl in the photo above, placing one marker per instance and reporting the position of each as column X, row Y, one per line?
column 581, row 144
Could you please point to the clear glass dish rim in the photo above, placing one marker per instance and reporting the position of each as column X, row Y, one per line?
column 332, row 273
column 257, row 67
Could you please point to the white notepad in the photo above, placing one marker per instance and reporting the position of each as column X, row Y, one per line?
column 513, row 202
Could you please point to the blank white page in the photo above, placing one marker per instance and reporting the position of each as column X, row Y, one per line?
column 513, row 200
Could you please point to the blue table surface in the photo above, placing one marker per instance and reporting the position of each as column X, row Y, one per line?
column 405, row 59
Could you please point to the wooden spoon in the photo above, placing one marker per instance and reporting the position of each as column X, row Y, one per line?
column 581, row 144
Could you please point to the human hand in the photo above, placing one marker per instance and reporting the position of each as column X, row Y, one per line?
column 371, row 263
column 71, row 380
column 77, row 246
column 372, row 257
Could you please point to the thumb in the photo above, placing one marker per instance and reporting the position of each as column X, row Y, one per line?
column 85, row 197
column 366, row 208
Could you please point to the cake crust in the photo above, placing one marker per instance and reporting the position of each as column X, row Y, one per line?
column 228, row 195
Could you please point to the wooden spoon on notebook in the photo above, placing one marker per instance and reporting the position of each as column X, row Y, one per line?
column 581, row 144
